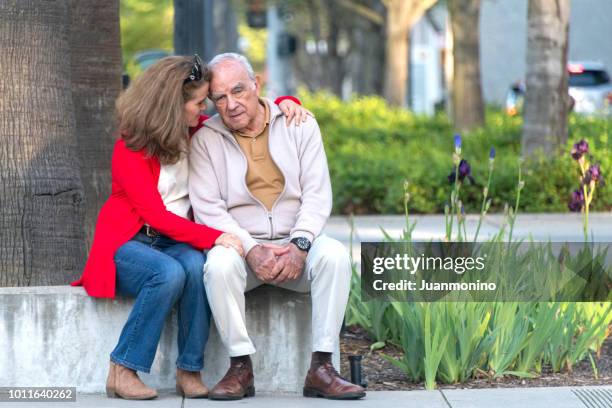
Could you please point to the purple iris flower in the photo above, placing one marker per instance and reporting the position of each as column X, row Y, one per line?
column 492, row 153
column 464, row 171
column 592, row 174
column 580, row 149
column 576, row 201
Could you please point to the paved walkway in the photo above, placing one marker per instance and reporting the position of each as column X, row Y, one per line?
column 562, row 397
column 562, row 227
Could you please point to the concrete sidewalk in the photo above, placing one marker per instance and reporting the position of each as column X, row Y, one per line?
column 556, row 227
column 561, row 397
column 560, row 227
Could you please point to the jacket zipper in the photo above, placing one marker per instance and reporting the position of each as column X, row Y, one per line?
column 271, row 225
column 269, row 213
column 284, row 184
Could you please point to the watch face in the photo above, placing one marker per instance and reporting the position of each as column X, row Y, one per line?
column 302, row 243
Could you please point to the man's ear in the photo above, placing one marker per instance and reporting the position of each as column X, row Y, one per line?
column 258, row 84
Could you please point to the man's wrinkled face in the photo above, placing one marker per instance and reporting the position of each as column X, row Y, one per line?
column 235, row 95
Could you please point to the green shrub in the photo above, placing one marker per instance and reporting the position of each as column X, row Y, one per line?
column 372, row 148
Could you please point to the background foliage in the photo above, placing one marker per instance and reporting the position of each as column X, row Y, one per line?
column 372, row 148
column 145, row 24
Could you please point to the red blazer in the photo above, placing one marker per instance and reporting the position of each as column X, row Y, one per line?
column 134, row 201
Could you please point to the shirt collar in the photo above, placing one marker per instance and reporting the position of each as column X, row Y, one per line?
column 267, row 120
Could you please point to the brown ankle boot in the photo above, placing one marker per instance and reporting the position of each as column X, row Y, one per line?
column 124, row 383
column 237, row 383
column 110, row 381
column 189, row 384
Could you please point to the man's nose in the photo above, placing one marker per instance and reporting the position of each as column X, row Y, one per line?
column 232, row 103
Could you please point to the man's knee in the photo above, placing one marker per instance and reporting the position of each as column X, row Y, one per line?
column 221, row 262
column 331, row 255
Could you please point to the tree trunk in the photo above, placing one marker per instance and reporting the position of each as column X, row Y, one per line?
column 365, row 31
column 364, row 60
column 467, row 104
column 335, row 61
column 96, row 82
column 226, row 28
column 401, row 17
column 546, row 99
column 190, row 33
column 318, row 22
column 205, row 27
column 396, row 55
column 315, row 61
column 41, row 204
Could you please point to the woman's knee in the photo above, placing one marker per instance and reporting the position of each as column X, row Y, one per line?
column 171, row 277
column 193, row 264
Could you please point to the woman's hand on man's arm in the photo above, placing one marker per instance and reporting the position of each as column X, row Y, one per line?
column 230, row 240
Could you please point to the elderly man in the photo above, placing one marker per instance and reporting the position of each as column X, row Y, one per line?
column 267, row 182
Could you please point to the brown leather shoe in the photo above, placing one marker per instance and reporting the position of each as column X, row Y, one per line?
column 323, row 381
column 189, row 384
column 237, row 383
column 124, row 383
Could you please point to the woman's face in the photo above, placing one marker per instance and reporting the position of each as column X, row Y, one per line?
column 195, row 106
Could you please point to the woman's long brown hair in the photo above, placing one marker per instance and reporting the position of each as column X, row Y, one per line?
column 150, row 113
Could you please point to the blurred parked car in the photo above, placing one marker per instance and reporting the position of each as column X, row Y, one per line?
column 144, row 59
column 140, row 62
column 589, row 85
column 590, row 90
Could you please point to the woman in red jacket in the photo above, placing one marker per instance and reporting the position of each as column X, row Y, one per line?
column 146, row 245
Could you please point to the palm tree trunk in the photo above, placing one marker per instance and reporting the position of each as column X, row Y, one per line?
column 95, row 52
column 41, row 203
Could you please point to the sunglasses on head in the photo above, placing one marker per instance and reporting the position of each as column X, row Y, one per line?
column 196, row 70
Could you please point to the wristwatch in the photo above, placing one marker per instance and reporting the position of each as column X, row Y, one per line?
column 302, row 243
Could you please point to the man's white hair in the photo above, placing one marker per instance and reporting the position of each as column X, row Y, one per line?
column 232, row 56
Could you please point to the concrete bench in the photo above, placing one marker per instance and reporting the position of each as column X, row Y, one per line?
column 59, row 336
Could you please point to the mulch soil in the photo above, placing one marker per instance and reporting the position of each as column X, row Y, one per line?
column 381, row 375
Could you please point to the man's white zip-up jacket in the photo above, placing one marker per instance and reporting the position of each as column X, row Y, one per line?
column 219, row 194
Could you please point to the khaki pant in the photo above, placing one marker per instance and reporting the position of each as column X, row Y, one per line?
column 327, row 274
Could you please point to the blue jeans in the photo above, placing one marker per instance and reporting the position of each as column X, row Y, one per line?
column 160, row 272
